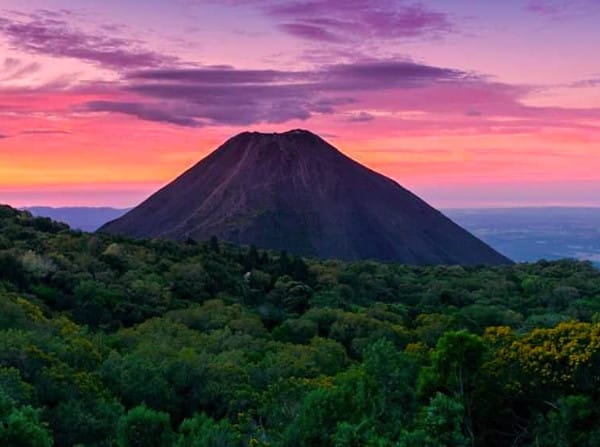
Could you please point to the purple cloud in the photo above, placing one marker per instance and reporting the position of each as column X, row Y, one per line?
column 593, row 82
column 223, row 95
column 217, row 75
column 374, row 74
column 51, row 33
column 361, row 117
column 545, row 7
column 330, row 21
column 233, row 104
column 562, row 8
column 381, row 75
column 310, row 32
column 10, row 64
column 143, row 111
column 13, row 69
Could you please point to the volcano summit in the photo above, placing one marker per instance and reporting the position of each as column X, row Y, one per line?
column 295, row 191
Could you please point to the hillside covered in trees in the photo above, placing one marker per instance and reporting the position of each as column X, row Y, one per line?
column 107, row 341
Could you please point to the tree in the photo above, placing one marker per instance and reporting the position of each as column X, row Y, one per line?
column 214, row 244
column 143, row 427
column 202, row 431
column 391, row 375
column 22, row 426
column 11, row 269
column 299, row 330
column 456, row 361
column 252, row 259
column 91, row 422
column 439, row 424
column 571, row 422
column 289, row 295
column 567, row 355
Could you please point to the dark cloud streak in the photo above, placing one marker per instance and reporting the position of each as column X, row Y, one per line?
column 310, row 32
column 361, row 117
column 142, row 111
column 217, row 75
column 44, row 132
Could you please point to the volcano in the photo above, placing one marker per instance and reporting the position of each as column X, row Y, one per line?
column 294, row 191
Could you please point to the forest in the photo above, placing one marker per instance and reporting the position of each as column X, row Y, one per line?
column 108, row 341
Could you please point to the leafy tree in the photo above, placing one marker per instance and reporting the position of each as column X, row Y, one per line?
column 296, row 330
column 572, row 421
column 439, row 424
column 143, row 427
column 22, row 426
column 11, row 269
column 391, row 375
column 202, row 431
column 456, row 360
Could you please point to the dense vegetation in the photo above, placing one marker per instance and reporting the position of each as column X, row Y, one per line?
column 107, row 341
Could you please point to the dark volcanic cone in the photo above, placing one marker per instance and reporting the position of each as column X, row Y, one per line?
column 295, row 191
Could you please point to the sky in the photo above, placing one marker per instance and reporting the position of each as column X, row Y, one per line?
column 468, row 103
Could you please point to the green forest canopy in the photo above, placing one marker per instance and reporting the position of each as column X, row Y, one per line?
column 107, row 341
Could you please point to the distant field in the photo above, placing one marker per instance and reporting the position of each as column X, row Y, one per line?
column 530, row 234
column 522, row 234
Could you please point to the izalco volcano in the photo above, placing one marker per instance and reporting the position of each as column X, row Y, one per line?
column 294, row 191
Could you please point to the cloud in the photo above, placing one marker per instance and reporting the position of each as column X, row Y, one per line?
column 51, row 33
column 585, row 83
column 372, row 74
column 417, row 98
column 217, row 75
column 545, row 7
column 310, row 32
column 10, row 63
column 382, row 75
column 562, row 8
column 44, row 132
column 143, row 111
column 13, row 69
column 2, row 136
column 224, row 95
column 352, row 20
column 361, row 117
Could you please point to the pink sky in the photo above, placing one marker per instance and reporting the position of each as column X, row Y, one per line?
column 466, row 103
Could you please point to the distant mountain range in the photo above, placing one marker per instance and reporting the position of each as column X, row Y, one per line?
column 81, row 218
column 294, row 191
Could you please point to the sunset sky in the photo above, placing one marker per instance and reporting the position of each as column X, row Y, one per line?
column 468, row 103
